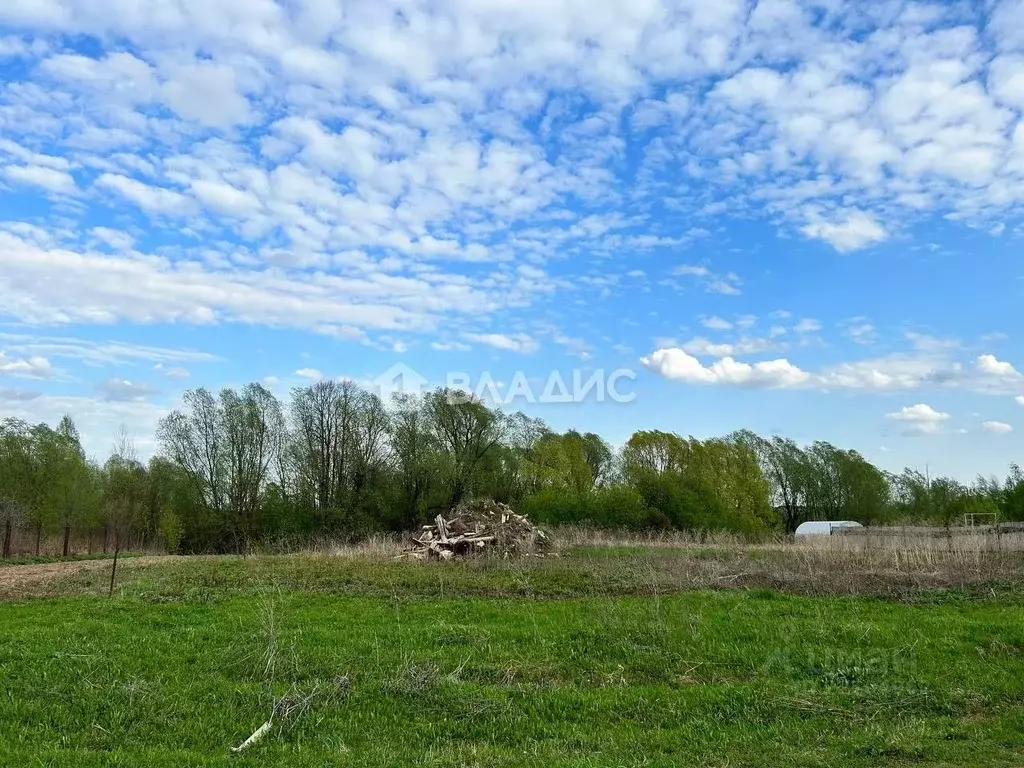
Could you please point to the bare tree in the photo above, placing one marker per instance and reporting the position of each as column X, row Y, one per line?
column 227, row 446
column 466, row 430
column 194, row 439
column 322, row 427
column 251, row 423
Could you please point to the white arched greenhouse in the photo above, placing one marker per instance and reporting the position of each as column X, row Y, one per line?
column 825, row 527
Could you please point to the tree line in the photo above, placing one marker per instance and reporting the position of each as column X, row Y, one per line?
column 241, row 467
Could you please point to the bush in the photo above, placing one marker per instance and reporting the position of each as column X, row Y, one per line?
column 621, row 506
column 683, row 502
column 171, row 530
column 553, row 506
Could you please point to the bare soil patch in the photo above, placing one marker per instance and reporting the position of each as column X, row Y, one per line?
column 35, row 580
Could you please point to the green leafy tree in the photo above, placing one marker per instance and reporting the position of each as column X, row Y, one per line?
column 16, row 493
column 124, row 496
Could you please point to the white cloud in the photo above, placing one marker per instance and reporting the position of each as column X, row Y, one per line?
column 1019, row 399
column 155, row 200
column 702, row 347
column 997, row 427
column 1006, row 80
column 861, row 333
column 903, row 116
column 97, row 418
column 519, row 342
column 991, row 366
column 716, row 323
column 920, row 419
column 60, row 286
column 392, row 166
column 675, row 364
column 12, row 47
column 695, row 270
column 746, row 322
column 450, row 346
column 49, row 179
column 113, row 237
column 207, row 93
column 929, row 366
column 35, row 367
column 807, row 325
column 854, row 231
column 99, row 353
column 310, row 373
column 727, row 284
column 177, row 373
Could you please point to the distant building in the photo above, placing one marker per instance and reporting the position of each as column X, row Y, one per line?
column 824, row 527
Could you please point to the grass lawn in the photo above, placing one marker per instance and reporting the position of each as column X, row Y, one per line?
column 183, row 665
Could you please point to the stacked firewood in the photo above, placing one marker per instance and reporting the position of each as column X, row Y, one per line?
column 475, row 527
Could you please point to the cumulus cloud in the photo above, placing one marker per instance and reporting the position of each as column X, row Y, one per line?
column 1019, row 399
column 920, row 419
column 310, row 373
column 997, row 427
column 676, row 365
column 991, row 366
column 855, row 230
column 922, row 369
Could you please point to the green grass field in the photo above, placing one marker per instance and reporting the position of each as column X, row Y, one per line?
column 492, row 664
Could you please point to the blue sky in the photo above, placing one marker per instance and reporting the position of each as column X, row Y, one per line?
column 794, row 217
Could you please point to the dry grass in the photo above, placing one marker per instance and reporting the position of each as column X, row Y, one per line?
column 910, row 538
column 871, row 561
column 378, row 546
column 586, row 563
column 867, row 561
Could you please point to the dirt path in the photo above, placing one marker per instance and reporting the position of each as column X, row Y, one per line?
column 27, row 580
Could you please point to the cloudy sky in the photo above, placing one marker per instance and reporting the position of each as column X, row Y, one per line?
column 795, row 216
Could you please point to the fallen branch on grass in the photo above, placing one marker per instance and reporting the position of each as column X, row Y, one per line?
column 258, row 734
column 291, row 707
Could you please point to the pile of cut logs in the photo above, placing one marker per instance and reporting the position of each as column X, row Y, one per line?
column 475, row 527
